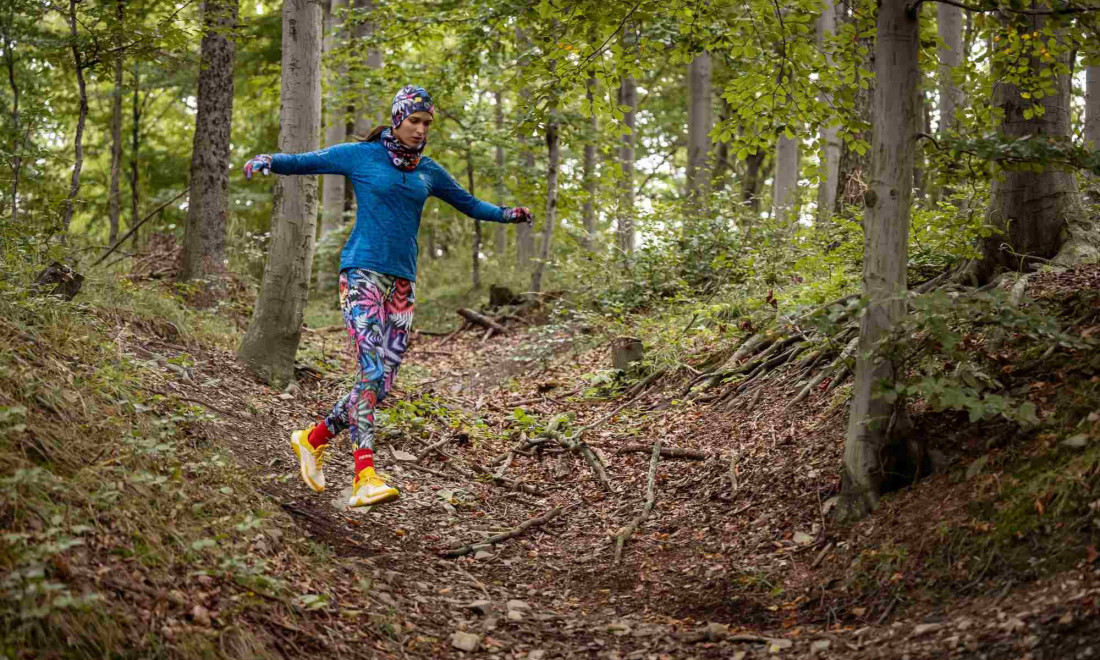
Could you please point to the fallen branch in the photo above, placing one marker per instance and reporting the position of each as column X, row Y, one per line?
column 480, row 319
column 575, row 444
column 458, row 551
column 669, row 452
column 138, row 226
column 427, row 452
column 651, row 499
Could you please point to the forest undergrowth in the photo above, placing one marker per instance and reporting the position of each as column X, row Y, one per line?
column 152, row 508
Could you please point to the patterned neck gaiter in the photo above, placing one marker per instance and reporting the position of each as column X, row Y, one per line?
column 403, row 157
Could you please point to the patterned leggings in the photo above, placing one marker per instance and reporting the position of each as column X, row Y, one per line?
column 378, row 313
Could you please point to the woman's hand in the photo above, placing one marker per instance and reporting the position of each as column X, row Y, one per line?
column 517, row 214
column 261, row 163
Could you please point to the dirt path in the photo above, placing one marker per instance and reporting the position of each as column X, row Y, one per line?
column 713, row 573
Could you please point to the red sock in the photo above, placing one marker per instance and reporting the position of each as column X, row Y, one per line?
column 320, row 435
column 364, row 458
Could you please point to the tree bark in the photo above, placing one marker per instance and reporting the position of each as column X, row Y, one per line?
column 204, row 239
column 700, row 123
column 500, row 244
column 475, row 256
column 114, row 205
column 16, row 149
column 1038, row 213
column 854, row 168
column 553, row 148
column 135, row 143
column 750, row 183
column 829, row 135
column 867, row 452
column 332, row 185
column 372, row 111
column 588, row 176
column 785, row 186
column 525, row 238
column 1092, row 106
column 78, row 139
column 949, row 22
column 625, row 231
column 273, row 333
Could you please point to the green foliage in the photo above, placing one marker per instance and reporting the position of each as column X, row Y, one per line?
column 948, row 348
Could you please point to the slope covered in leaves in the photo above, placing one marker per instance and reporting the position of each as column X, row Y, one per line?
column 153, row 508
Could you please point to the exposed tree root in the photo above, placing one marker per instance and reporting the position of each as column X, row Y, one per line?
column 651, row 498
column 670, row 452
column 458, row 551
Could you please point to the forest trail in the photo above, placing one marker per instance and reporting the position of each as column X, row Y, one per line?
column 711, row 574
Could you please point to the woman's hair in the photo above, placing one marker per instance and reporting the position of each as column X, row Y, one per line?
column 373, row 136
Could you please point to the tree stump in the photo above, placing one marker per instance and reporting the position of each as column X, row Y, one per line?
column 626, row 351
column 502, row 296
column 65, row 281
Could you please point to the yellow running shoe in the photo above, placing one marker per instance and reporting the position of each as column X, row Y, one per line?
column 309, row 459
column 371, row 489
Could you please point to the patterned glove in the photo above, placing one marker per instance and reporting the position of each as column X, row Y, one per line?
column 261, row 163
column 517, row 214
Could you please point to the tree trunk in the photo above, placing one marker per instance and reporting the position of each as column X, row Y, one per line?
column 949, row 22
column 750, row 183
column 16, row 150
column 867, row 455
column 500, row 244
column 135, row 143
column 1092, row 106
column 525, row 238
column 553, row 148
column 475, row 256
column 700, row 122
column 588, row 176
column 114, row 206
column 1038, row 213
column 78, row 140
column 829, row 135
column 785, row 185
column 372, row 110
column 332, row 185
column 271, row 342
column 204, row 239
column 627, row 97
column 854, row 168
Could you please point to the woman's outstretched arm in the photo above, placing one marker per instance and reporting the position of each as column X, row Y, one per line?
column 446, row 188
column 336, row 159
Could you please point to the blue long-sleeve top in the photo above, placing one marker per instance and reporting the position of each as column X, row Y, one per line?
column 389, row 202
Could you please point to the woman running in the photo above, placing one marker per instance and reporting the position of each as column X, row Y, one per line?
column 392, row 180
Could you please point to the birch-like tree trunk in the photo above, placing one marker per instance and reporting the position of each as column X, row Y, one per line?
column 114, row 205
column 868, row 452
column 829, row 135
column 500, row 243
column 949, row 22
column 1038, row 213
column 82, row 118
column 332, row 185
column 553, row 149
column 588, row 170
column 700, row 122
column 273, row 333
column 625, row 231
column 1092, row 106
column 204, row 238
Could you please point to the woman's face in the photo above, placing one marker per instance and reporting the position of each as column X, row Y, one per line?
column 414, row 130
